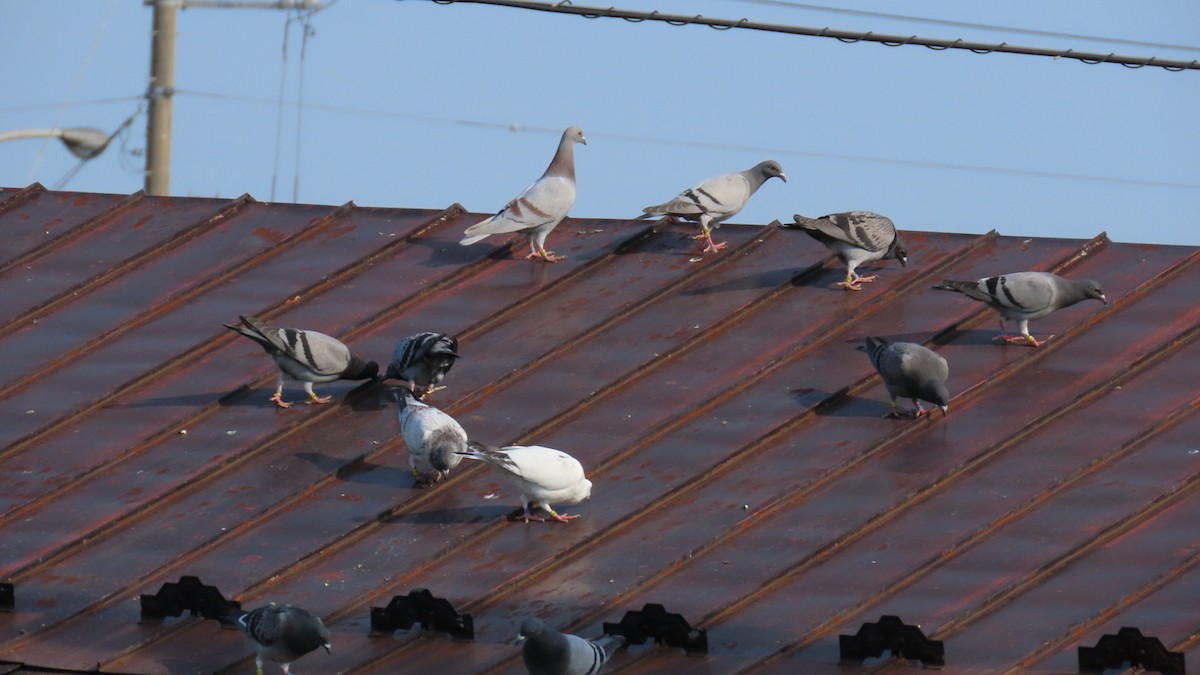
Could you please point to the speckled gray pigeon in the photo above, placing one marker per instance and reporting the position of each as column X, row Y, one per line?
column 542, row 474
column 305, row 355
column 549, row 652
column 1024, row 296
column 856, row 237
column 909, row 371
column 423, row 360
column 434, row 439
column 541, row 207
column 282, row 634
column 717, row 199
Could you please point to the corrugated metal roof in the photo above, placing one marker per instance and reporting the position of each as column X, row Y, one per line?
column 743, row 475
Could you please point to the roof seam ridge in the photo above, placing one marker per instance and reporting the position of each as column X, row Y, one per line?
column 202, row 349
column 968, row 542
column 1094, row 622
column 22, row 195
column 105, row 277
column 74, row 233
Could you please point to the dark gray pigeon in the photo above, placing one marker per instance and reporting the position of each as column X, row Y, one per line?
column 305, row 355
column 856, row 237
column 434, row 439
column 542, row 474
column 717, row 199
column 909, row 371
column 541, row 207
column 1024, row 296
column 423, row 360
column 549, row 652
column 282, row 634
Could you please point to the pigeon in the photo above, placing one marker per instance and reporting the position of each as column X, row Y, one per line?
column 541, row 206
column 282, row 633
column 423, row 360
column 1024, row 296
column 549, row 652
column 717, row 199
column 305, row 355
column 541, row 474
column 909, row 371
column 434, row 439
column 856, row 237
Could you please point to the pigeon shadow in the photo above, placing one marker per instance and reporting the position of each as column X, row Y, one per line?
column 858, row 407
column 970, row 336
column 444, row 252
column 768, row 279
column 235, row 398
column 359, row 470
column 447, row 516
column 371, row 396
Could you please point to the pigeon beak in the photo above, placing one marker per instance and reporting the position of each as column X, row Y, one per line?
column 1103, row 299
column 945, row 409
column 583, row 139
column 782, row 177
column 903, row 261
column 328, row 649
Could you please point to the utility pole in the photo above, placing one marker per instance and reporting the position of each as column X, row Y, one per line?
column 162, row 79
column 161, row 92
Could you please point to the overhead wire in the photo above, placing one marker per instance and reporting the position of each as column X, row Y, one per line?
column 968, row 24
column 522, row 128
column 120, row 131
column 938, row 44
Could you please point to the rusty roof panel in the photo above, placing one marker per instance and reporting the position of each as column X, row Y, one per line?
column 743, row 475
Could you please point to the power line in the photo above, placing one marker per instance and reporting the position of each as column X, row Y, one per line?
column 95, row 101
column 567, row 7
column 968, row 24
column 520, row 128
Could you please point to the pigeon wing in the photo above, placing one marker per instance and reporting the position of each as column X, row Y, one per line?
column 547, row 468
column 546, row 201
column 724, row 194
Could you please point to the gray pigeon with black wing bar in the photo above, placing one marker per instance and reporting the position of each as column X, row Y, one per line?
column 549, row 652
column 423, row 360
column 542, row 474
column 1025, row 296
column 911, row 371
column 305, row 355
column 541, row 207
column 717, row 199
column 282, row 634
column 434, row 439
column 855, row 237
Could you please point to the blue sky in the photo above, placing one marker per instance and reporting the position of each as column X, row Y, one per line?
column 408, row 103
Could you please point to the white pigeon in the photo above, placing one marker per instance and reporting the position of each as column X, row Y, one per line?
column 543, row 475
column 717, row 199
column 541, row 207
column 282, row 634
column 1024, row 296
column 911, row 371
column 305, row 355
column 856, row 237
column 423, row 360
column 434, row 439
column 549, row 652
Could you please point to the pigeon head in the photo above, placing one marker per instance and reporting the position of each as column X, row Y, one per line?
column 575, row 134
column 769, row 169
column 899, row 251
column 531, row 627
column 1092, row 289
column 937, row 394
column 403, row 396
